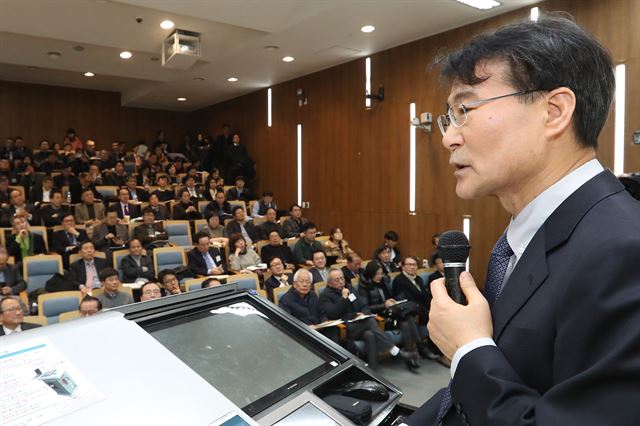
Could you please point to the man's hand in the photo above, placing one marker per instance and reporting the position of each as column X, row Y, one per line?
column 452, row 325
column 389, row 303
column 345, row 293
column 109, row 236
column 216, row 271
column 6, row 291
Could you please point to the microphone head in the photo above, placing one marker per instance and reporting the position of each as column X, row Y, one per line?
column 453, row 247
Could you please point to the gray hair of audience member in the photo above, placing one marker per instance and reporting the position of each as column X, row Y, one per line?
column 333, row 269
column 298, row 275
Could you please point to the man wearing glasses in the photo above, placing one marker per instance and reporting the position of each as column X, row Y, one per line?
column 150, row 291
column 12, row 317
column 554, row 338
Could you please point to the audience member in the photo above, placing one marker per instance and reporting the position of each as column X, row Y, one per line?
column 239, row 192
column 13, row 317
column 276, row 248
column 383, row 257
column 51, row 214
column 391, row 241
column 160, row 210
column 211, row 282
column 42, row 193
column 126, row 208
column 11, row 282
column 18, row 207
column 85, row 271
column 319, row 271
column 23, row 242
column 278, row 277
column 191, row 187
column 88, row 212
column 241, row 257
column 67, row 241
column 306, row 246
column 113, row 294
column 293, row 225
column 436, row 262
column 149, row 291
column 266, row 202
column 89, row 306
column 164, row 191
column 86, row 181
column 137, row 265
column 206, row 260
column 216, row 231
column 170, row 282
column 264, row 229
column 340, row 301
column 136, row 194
column 110, row 234
column 409, row 286
column 219, row 206
column 149, row 231
column 240, row 225
column 353, row 268
column 185, row 209
column 238, row 161
column 65, row 179
column 337, row 246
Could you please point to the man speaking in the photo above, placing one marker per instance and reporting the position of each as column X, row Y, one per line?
column 555, row 338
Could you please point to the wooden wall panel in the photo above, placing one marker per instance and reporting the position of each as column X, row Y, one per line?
column 38, row 112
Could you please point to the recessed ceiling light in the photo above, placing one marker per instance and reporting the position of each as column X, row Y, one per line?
column 272, row 47
column 198, row 78
column 78, row 48
column 480, row 4
column 288, row 59
column 166, row 24
column 182, row 99
column 126, row 54
column 54, row 54
column 368, row 29
column 232, row 79
column 89, row 74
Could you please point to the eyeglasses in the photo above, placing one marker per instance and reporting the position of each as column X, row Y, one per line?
column 13, row 310
column 149, row 292
column 457, row 113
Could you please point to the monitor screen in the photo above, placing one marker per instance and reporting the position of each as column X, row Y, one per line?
column 240, row 351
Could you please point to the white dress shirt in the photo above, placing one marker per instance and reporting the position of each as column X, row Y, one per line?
column 524, row 226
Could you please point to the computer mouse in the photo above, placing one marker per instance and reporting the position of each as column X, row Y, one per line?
column 368, row 390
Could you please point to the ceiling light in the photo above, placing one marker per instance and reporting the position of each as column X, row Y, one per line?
column 288, row 59
column 166, row 24
column 125, row 55
column 368, row 29
column 232, row 79
column 54, row 54
column 182, row 99
column 89, row 74
column 480, row 4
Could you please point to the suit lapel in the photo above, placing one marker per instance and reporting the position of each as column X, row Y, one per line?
column 531, row 270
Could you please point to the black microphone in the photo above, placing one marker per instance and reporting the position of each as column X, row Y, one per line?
column 453, row 248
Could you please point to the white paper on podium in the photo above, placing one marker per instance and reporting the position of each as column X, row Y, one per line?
column 25, row 398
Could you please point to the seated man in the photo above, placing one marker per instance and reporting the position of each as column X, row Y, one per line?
column 137, row 265
column 211, row 282
column 275, row 248
column 409, row 286
column 353, row 268
column 11, row 282
column 86, row 181
column 293, row 225
column 42, row 193
column 302, row 302
column 340, row 301
column 204, row 259
column 12, row 317
column 89, row 306
column 319, row 272
column 383, row 257
column 18, row 207
column 150, row 230
column 136, row 194
column 391, row 241
column 239, row 192
column 186, row 209
column 67, row 241
column 435, row 262
column 278, row 277
column 51, row 214
column 110, row 235
column 118, row 177
column 66, row 178
column 265, row 228
column 113, row 295
column 266, row 202
column 219, row 206
column 170, row 282
column 23, row 242
column 160, row 211
column 149, row 291
column 88, row 212
column 239, row 224
column 304, row 248
column 85, row 271
column 191, row 187
column 125, row 207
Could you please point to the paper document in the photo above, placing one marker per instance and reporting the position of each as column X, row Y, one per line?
column 328, row 324
column 361, row 317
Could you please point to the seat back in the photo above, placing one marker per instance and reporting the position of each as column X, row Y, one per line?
column 117, row 256
column 68, row 316
column 278, row 292
column 424, row 274
column 200, row 224
column 193, row 284
column 36, row 270
column 168, row 258
column 244, row 281
column 75, row 256
column 238, row 203
column 51, row 305
column 319, row 287
column 259, row 221
column 107, row 192
column 179, row 232
column 202, row 205
column 36, row 319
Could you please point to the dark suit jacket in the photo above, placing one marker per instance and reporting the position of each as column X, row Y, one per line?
column 99, row 232
column 76, row 192
column 179, row 212
column 565, row 325
column 162, row 212
column 13, row 279
column 24, row 326
column 51, row 217
column 197, row 264
column 131, row 271
column 59, row 242
column 35, row 194
column 78, row 272
column 81, row 212
column 348, row 275
column 246, row 195
column 134, row 211
column 60, row 181
column 141, row 232
column 14, row 248
column 234, row 227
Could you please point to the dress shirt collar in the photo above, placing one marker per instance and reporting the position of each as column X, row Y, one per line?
column 8, row 331
column 525, row 225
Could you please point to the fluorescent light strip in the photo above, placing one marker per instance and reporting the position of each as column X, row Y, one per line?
column 269, row 107
column 618, row 145
column 300, row 164
column 535, row 14
column 480, row 4
column 466, row 229
column 367, row 83
column 412, row 160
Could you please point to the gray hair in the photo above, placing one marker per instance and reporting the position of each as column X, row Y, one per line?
column 300, row 272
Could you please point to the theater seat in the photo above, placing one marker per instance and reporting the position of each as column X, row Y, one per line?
column 51, row 305
column 36, row 270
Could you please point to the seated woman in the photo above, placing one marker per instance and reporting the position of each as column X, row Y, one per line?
column 211, row 189
column 375, row 292
column 164, row 190
column 136, row 265
column 216, row 231
column 337, row 246
column 160, row 209
column 242, row 256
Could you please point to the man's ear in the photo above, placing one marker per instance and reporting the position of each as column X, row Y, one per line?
column 560, row 104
